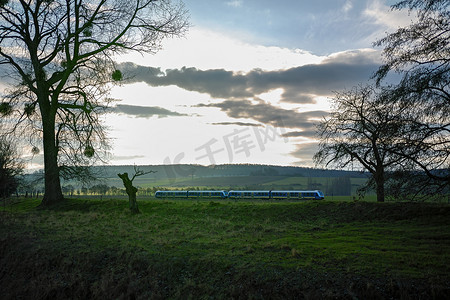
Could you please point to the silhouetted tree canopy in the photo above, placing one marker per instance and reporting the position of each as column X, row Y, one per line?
column 400, row 133
column 59, row 55
column 361, row 132
column 420, row 52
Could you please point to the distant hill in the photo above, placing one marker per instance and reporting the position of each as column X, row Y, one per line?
column 242, row 176
column 227, row 177
column 199, row 171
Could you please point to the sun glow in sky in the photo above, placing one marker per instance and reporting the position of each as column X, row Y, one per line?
column 248, row 82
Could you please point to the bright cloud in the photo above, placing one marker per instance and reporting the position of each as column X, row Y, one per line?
column 206, row 49
column 382, row 14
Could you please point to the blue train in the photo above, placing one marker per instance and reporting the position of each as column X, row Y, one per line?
column 191, row 194
column 316, row 195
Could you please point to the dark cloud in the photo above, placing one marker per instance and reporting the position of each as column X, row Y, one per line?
column 268, row 114
column 218, row 83
column 241, row 91
column 300, row 84
column 143, row 111
column 305, row 152
column 238, row 124
column 304, row 133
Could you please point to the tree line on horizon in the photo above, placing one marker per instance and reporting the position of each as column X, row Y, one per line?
column 336, row 186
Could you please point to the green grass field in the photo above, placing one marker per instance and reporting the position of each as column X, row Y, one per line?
column 227, row 182
column 225, row 249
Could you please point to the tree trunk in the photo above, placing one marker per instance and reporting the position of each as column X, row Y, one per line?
column 53, row 193
column 379, row 181
column 131, row 191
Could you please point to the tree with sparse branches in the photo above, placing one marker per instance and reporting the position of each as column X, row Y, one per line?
column 130, row 189
column 420, row 53
column 400, row 133
column 361, row 132
column 60, row 56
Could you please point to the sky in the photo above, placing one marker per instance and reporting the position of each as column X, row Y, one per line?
column 248, row 82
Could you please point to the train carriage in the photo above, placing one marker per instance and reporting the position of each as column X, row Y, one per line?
column 317, row 195
column 276, row 195
column 191, row 194
column 171, row 194
column 207, row 194
column 249, row 194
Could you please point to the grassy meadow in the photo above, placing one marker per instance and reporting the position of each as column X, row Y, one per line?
column 91, row 248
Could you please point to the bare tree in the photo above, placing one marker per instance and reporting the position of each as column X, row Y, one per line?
column 402, row 130
column 132, row 190
column 361, row 132
column 420, row 52
column 60, row 55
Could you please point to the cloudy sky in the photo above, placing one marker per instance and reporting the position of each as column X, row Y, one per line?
column 248, row 83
